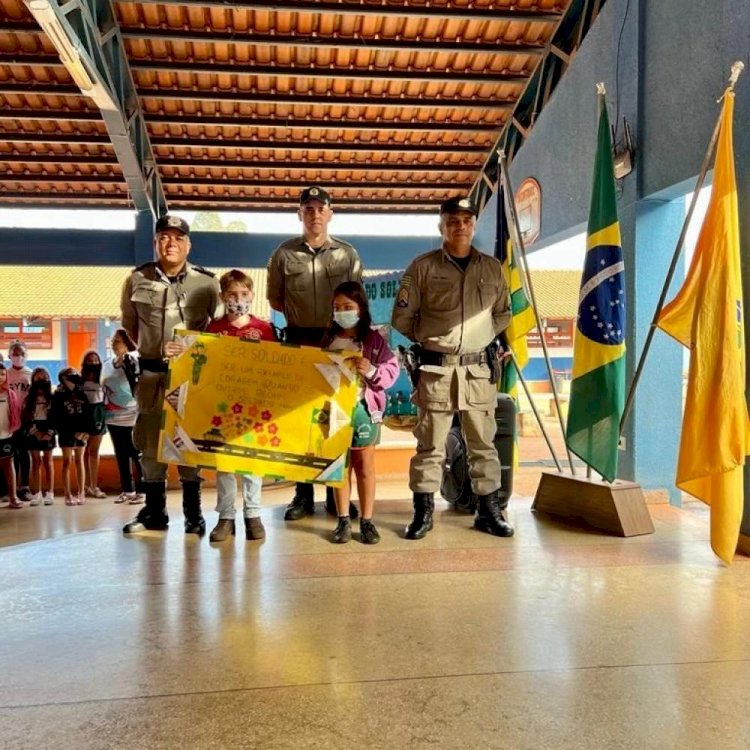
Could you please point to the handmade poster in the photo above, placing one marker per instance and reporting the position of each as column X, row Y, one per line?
column 258, row 407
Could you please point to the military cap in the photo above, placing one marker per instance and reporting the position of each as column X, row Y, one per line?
column 456, row 204
column 315, row 194
column 172, row 222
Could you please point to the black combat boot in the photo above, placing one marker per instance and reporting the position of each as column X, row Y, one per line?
column 303, row 503
column 153, row 515
column 191, row 507
column 332, row 510
column 491, row 515
column 424, row 505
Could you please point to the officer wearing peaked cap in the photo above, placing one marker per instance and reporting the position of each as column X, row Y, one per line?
column 453, row 302
column 158, row 297
column 302, row 274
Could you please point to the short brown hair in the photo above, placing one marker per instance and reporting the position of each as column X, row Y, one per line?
column 235, row 277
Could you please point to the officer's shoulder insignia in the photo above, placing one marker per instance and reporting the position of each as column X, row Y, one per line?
column 341, row 243
column 144, row 266
column 205, row 271
column 402, row 298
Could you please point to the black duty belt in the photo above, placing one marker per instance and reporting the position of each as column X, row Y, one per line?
column 154, row 365
column 451, row 360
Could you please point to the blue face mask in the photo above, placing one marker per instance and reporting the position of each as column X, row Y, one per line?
column 346, row 318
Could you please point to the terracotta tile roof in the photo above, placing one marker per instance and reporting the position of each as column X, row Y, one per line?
column 395, row 104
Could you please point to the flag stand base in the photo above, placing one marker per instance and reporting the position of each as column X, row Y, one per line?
column 619, row 508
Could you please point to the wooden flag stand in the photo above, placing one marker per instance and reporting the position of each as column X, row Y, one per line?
column 619, row 508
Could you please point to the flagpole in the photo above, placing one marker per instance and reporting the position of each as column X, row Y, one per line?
column 737, row 68
column 515, row 231
column 535, row 410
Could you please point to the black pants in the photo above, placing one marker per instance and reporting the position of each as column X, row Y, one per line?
column 21, row 459
column 125, row 453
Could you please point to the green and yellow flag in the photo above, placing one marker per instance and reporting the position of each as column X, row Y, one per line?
column 597, row 392
column 706, row 317
column 522, row 320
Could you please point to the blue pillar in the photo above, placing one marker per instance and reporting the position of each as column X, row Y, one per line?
column 650, row 229
column 143, row 238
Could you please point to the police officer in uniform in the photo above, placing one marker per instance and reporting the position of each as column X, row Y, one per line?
column 302, row 274
column 453, row 302
column 158, row 297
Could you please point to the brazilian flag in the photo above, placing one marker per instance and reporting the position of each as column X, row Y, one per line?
column 597, row 393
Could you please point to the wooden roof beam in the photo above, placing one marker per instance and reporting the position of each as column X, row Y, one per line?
column 308, row 41
column 405, row 10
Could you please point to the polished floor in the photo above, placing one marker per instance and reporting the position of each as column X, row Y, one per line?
column 558, row 638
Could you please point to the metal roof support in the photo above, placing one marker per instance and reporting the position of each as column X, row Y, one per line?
column 449, row 11
column 86, row 35
column 578, row 18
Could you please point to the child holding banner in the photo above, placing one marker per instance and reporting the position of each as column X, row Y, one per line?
column 378, row 370
column 237, row 296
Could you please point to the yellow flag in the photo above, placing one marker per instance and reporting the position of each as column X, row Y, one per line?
column 706, row 316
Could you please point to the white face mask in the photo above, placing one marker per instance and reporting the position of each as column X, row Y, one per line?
column 346, row 318
column 18, row 360
column 241, row 307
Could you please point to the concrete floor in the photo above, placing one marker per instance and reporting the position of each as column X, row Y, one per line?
column 557, row 638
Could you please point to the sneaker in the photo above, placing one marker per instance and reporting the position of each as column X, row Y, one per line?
column 123, row 497
column 15, row 504
column 343, row 532
column 70, row 500
column 36, row 499
column 24, row 494
column 254, row 529
column 136, row 498
column 367, row 532
column 81, row 499
column 94, row 492
column 5, row 499
column 49, row 498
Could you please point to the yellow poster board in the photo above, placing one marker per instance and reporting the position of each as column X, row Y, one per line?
column 257, row 407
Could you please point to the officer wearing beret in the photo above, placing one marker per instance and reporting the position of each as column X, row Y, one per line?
column 302, row 274
column 453, row 302
column 158, row 297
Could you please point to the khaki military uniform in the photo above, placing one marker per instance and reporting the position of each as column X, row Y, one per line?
column 301, row 283
column 455, row 313
column 152, row 307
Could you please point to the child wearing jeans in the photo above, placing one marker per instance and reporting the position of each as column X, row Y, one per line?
column 71, row 417
column 10, row 422
column 40, row 436
column 237, row 296
column 378, row 370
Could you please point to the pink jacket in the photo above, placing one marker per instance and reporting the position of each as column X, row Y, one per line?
column 375, row 348
column 14, row 411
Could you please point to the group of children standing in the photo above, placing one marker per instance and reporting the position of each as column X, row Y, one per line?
column 33, row 418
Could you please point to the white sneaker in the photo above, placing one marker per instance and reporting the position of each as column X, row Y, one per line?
column 136, row 498
column 123, row 497
column 36, row 499
column 48, row 498
column 5, row 499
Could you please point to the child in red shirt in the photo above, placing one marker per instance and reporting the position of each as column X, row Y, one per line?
column 237, row 296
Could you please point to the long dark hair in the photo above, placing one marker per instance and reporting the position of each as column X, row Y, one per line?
column 125, row 336
column 354, row 291
column 37, row 386
column 85, row 369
